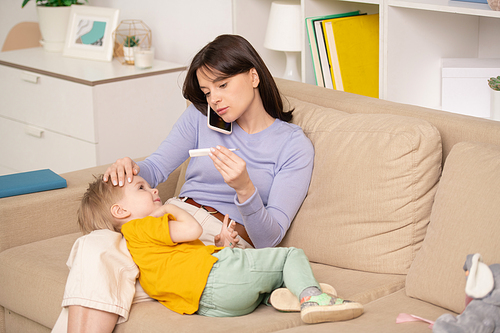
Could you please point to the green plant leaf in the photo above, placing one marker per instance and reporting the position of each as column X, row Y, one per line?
column 131, row 41
column 54, row 3
column 494, row 83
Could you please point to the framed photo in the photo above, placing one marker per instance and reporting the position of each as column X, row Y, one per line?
column 90, row 32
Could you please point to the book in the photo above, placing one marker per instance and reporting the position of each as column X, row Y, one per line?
column 324, row 63
column 314, row 31
column 30, row 182
column 353, row 51
column 477, row 1
column 331, row 52
column 313, row 47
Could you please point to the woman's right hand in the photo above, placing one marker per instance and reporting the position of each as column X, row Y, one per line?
column 121, row 168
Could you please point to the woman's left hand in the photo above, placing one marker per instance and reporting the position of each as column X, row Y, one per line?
column 234, row 171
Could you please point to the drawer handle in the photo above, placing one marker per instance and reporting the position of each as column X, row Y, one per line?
column 29, row 77
column 33, row 131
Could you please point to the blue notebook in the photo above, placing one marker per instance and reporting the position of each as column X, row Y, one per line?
column 30, row 182
column 477, row 1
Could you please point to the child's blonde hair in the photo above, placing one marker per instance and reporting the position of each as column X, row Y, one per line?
column 95, row 208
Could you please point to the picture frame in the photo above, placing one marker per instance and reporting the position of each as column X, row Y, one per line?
column 90, row 32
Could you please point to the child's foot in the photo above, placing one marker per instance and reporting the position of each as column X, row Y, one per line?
column 282, row 299
column 322, row 308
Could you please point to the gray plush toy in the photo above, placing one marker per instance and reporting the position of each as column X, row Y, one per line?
column 482, row 288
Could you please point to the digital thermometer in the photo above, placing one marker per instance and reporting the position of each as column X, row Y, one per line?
column 204, row 152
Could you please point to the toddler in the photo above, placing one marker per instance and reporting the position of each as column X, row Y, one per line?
column 188, row 277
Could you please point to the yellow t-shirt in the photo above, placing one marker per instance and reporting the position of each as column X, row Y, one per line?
column 173, row 273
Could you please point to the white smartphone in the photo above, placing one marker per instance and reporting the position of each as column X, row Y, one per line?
column 216, row 123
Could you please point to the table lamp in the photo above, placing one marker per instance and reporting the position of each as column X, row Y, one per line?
column 284, row 34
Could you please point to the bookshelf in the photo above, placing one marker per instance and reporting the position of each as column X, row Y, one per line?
column 414, row 36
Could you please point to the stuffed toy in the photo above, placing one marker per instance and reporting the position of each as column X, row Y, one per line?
column 482, row 312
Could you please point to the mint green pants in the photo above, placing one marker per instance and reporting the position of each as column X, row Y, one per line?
column 243, row 278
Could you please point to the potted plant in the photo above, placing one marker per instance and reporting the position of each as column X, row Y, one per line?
column 494, row 84
column 53, row 17
column 128, row 49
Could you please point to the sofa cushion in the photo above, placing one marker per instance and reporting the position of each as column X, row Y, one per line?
column 34, row 276
column 17, row 323
column 374, row 180
column 358, row 286
column 380, row 317
column 152, row 317
column 464, row 220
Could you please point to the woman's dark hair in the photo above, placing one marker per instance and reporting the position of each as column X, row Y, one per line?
column 227, row 56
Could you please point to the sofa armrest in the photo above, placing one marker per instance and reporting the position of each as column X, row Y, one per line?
column 37, row 216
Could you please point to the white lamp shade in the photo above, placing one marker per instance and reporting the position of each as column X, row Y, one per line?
column 284, row 27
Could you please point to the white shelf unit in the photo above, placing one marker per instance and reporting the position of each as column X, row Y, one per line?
column 414, row 37
column 312, row 8
column 419, row 34
column 447, row 6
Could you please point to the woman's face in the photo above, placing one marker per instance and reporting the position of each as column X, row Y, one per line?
column 231, row 97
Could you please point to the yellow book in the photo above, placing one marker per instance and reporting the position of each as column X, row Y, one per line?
column 353, row 52
column 317, row 45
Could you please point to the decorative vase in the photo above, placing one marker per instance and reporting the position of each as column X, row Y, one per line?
column 53, row 25
column 128, row 55
column 494, row 4
column 495, row 105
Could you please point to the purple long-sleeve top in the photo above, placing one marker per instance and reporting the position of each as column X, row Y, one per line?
column 279, row 161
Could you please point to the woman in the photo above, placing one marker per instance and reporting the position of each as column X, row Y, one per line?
column 260, row 186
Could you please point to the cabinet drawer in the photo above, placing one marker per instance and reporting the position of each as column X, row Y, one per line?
column 22, row 149
column 58, row 105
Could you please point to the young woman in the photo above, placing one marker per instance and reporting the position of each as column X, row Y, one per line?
column 263, row 183
column 260, row 186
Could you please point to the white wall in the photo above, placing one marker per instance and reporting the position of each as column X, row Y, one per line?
column 179, row 28
column 250, row 21
column 11, row 13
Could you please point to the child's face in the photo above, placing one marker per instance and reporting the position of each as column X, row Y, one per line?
column 139, row 199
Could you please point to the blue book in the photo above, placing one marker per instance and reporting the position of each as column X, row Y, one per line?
column 30, row 182
column 477, row 1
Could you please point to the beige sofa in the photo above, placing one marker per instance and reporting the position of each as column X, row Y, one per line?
column 399, row 196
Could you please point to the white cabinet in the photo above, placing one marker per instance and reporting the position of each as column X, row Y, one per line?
column 22, row 151
column 66, row 114
column 414, row 36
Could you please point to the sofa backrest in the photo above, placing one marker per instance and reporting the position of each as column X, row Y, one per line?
column 454, row 128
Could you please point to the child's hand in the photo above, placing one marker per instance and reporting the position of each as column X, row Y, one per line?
column 228, row 236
